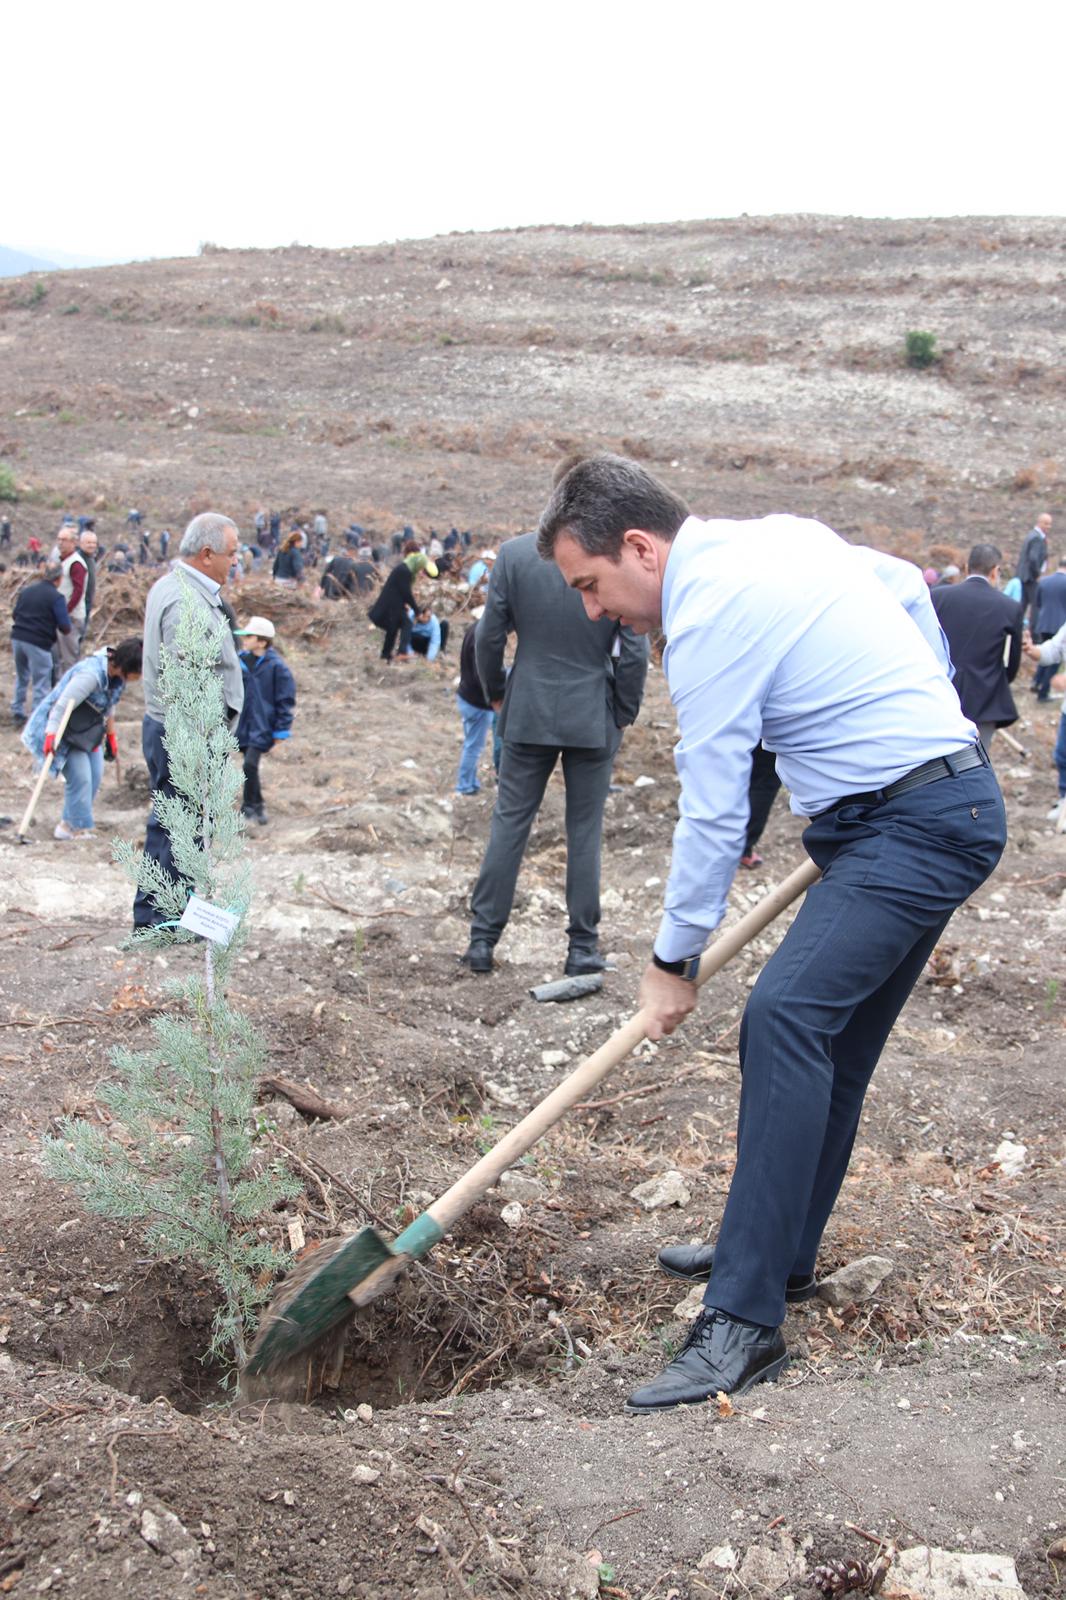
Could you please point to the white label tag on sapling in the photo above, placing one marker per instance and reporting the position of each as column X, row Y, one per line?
column 200, row 916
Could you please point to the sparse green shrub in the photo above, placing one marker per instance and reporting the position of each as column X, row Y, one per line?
column 921, row 349
column 38, row 292
column 70, row 311
column 187, row 1167
column 8, row 486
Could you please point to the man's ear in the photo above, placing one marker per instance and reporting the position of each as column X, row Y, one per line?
column 643, row 546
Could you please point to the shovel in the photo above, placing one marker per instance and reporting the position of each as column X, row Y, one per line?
column 355, row 1270
column 27, row 815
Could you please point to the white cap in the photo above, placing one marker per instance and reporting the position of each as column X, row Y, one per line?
column 260, row 627
column 488, row 555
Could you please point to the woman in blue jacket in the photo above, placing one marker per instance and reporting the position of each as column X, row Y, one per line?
column 92, row 687
column 269, row 704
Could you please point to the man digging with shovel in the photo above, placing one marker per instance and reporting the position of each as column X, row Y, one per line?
column 809, row 650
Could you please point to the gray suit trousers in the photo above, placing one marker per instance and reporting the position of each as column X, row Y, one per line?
column 524, row 773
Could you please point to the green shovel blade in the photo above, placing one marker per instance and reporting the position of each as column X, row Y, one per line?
column 316, row 1302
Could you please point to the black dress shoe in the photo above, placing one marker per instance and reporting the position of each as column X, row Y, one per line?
column 693, row 1262
column 722, row 1355
column 579, row 962
column 479, row 956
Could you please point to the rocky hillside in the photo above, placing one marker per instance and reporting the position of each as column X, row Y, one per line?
column 757, row 362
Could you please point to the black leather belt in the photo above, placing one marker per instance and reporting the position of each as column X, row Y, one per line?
column 929, row 772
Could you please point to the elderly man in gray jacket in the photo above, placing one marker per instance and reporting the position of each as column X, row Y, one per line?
column 571, row 691
column 206, row 551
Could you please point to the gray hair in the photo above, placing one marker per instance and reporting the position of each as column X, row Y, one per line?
column 207, row 531
column 596, row 498
column 53, row 570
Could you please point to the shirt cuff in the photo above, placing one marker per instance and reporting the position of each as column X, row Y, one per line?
column 676, row 941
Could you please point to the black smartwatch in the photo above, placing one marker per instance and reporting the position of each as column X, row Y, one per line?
column 688, row 967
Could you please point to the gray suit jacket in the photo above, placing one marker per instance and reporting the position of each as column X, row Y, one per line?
column 162, row 614
column 565, row 688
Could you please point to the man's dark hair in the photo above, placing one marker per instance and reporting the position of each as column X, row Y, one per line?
column 596, row 498
column 126, row 656
column 52, row 571
column 983, row 558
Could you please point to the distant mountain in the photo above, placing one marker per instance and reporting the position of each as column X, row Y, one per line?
column 14, row 262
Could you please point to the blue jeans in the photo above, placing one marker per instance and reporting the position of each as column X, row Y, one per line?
column 821, row 1011
column 476, row 724
column 1060, row 754
column 33, row 664
column 82, row 771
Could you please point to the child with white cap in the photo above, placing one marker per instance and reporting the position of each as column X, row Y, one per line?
column 269, row 705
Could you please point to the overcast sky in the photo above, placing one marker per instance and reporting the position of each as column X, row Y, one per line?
column 138, row 130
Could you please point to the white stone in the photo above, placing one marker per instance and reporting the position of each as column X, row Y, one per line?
column 364, row 1474
column 688, row 1309
column 520, row 1186
column 513, row 1214
column 857, row 1281
column 1010, row 1157
column 668, row 1189
column 957, row 1575
column 643, row 782
column 723, row 1558
column 365, row 1412
column 554, row 1058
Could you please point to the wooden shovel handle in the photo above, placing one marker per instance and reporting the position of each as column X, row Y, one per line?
column 595, row 1067
column 46, row 767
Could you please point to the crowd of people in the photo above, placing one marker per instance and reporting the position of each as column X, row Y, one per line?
column 53, row 609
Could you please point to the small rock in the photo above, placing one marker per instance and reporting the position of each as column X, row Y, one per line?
column 163, row 1531
column 364, row 1474
column 1010, row 1157
column 501, row 1093
column 521, row 1186
column 280, row 1112
column 668, row 1189
column 513, row 1214
column 345, row 1583
column 723, row 1558
column 643, row 782
column 364, row 1412
column 957, row 1575
column 554, row 1058
column 855, row 1282
column 564, row 1573
column 688, row 1309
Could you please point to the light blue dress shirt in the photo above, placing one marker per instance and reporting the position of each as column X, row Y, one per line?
column 829, row 653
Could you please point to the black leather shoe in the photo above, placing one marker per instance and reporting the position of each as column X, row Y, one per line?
column 721, row 1355
column 694, row 1262
column 479, row 956
column 579, row 962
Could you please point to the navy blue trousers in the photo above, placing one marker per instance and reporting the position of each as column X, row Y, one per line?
column 823, row 1006
column 156, row 840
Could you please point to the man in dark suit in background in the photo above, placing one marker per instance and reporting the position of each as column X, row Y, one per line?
column 1049, row 613
column 983, row 627
column 1032, row 560
column 571, row 691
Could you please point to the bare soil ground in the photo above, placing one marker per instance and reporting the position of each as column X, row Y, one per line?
column 496, row 1456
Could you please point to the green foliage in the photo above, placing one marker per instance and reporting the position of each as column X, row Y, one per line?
column 187, row 1166
column 38, row 292
column 921, row 349
column 8, row 486
column 70, row 311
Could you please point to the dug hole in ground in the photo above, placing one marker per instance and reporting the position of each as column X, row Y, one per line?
column 476, row 1441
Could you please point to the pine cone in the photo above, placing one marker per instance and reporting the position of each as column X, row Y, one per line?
column 841, row 1577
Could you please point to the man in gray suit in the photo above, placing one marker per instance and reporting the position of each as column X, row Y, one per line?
column 571, row 691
